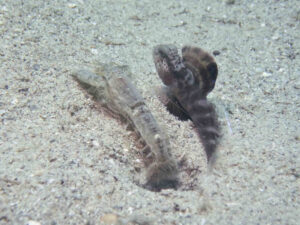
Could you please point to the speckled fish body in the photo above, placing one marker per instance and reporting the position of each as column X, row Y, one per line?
column 189, row 79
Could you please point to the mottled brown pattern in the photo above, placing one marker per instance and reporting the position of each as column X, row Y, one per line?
column 203, row 66
column 189, row 79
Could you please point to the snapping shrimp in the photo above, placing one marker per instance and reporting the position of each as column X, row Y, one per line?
column 111, row 86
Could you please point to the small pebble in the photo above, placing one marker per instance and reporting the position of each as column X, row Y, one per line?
column 95, row 143
column 36, row 67
column 297, row 17
column 14, row 101
column 230, row 2
column 216, row 52
column 258, row 70
column 3, row 9
column 33, row 107
column 23, row 90
column 266, row 74
column 72, row 5
column 275, row 37
column 297, row 85
column 94, row 51
column 32, row 222
column 109, row 218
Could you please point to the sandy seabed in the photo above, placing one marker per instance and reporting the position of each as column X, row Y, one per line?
column 63, row 160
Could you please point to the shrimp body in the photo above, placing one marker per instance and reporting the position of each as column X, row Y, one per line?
column 112, row 87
